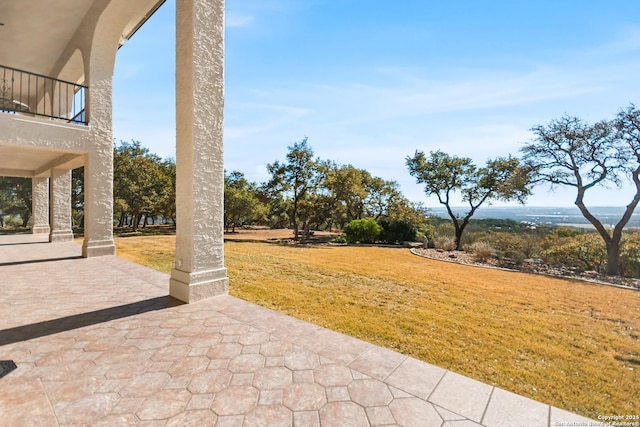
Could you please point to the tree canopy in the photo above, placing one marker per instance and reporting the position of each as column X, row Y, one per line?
column 241, row 201
column 143, row 184
column 15, row 198
column 315, row 192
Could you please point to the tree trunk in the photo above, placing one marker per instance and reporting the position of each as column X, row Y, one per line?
column 458, row 239
column 612, row 242
column 294, row 218
column 613, row 258
column 135, row 222
column 459, row 228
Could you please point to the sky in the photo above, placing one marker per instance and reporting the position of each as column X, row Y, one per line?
column 371, row 82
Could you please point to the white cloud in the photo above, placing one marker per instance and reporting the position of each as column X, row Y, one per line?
column 627, row 42
column 126, row 71
column 412, row 97
column 235, row 20
column 250, row 119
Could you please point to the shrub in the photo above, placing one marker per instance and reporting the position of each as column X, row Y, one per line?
column 482, row 251
column 446, row 243
column 630, row 255
column 340, row 239
column 444, row 229
column 13, row 222
column 585, row 250
column 363, row 231
column 395, row 231
column 515, row 247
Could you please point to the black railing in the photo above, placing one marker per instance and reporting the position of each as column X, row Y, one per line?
column 22, row 92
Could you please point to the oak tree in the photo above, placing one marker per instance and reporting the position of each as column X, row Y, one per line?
column 572, row 153
column 443, row 175
column 294, row 179
column 241, row 201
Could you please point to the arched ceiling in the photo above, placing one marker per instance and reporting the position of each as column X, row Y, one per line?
column 35, row 33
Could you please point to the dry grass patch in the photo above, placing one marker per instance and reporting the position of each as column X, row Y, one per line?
column 566, row 343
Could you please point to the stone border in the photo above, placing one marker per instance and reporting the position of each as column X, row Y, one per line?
column 580, row 279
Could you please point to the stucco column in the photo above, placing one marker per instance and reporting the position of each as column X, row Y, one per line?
column 199, row 265
column 60, row 206
column 98, row 164
column 40, row 205
column 98, row 202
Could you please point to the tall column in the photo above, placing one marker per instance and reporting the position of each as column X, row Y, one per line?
column 98, row 202
column 98, row 162
column 40, row 205
column 199, row 271
column 60, row 206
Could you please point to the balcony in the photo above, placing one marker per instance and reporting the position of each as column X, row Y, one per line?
column 31, row 94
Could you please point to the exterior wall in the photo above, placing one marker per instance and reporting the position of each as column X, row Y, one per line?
column 199, row 270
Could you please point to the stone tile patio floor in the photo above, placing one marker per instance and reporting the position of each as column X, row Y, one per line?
column 98, row 341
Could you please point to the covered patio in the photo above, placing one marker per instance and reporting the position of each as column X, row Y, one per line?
column 56, row 74
column 99, row 341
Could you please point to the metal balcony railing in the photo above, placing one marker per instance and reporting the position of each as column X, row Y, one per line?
column 22, row 92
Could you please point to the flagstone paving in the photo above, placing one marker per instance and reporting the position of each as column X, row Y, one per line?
column 99, row 342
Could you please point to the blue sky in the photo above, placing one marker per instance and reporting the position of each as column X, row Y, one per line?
column 369, row 82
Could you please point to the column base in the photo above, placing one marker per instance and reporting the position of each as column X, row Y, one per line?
column 40, row 229
column 192, row 287
column 61, row 236
column 98, row 248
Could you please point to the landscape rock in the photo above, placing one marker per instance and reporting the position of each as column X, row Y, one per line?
column 529, row 265
column 412, row 244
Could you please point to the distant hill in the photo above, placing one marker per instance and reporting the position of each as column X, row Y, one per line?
column 559, row 216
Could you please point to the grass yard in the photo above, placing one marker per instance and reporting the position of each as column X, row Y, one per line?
column 562, row 342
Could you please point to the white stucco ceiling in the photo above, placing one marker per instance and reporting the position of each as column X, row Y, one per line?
column 30, row 161
column 35, row 32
